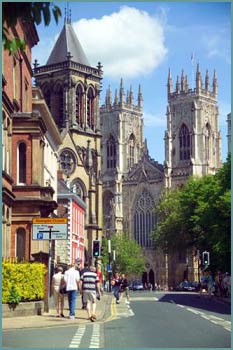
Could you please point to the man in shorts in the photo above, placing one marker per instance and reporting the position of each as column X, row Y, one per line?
column 89, row 284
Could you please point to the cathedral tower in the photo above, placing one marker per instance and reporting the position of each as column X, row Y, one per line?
column 71, row 88
column 192, row 138
column 122, row 146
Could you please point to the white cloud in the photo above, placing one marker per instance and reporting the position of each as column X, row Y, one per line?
column 129, row 41
column 154, row 120
column 217, row 45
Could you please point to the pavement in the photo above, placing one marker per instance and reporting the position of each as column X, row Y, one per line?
column 50, row 320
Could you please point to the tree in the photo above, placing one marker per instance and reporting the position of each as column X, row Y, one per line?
column 198, row 215
column 28, row 12
column 129, row 255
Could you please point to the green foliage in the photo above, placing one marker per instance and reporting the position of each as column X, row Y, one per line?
column 26, row 278
column 129, row 255
column 198, row 214
column 14, row 297
column 29, row 12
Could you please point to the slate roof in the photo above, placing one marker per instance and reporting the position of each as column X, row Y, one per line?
column 67, row 42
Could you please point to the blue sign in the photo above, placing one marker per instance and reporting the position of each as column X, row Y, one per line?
column 40, row 235
column 109, row 269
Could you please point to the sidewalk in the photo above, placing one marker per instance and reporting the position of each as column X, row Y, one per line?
column 50, row 320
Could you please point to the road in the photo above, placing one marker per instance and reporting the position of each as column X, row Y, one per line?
column 152, row 320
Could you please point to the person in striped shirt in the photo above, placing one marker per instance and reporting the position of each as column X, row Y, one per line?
column 89, row 285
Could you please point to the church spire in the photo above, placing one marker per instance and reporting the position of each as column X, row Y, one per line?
column 169, row 83
column 198, row 79
column 207, row 83
column 177, row 85
column 182, row 81
column 139, row 97
column 131, row 95
column 215, row 84
column 122, row 93
column 116, row 98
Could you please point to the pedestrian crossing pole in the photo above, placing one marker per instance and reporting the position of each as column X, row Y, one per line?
column 109, row 262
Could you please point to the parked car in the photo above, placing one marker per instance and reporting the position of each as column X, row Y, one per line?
column 186, row 286
column 136, row 285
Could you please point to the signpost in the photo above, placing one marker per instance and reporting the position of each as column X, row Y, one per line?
column 49, row 229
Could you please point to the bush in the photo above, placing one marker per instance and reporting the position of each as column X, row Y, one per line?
column 27, row 279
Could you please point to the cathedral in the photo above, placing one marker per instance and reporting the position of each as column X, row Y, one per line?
column 104, row 156
column 133, row 181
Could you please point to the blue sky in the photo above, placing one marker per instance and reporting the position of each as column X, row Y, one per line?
column 140, row 41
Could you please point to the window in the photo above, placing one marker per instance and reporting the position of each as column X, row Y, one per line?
column 21, row 163
column 20, row 243
column 47, row 98
column 79, row 105
column 144, row 219
column 207, row 141
column 58, row 106
column 67, row 161
column 131, row 150
column 79, row 188
column 111, row 153
column 185, row 143
column 90, row 108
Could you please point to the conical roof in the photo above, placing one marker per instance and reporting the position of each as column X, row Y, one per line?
column 67, row 42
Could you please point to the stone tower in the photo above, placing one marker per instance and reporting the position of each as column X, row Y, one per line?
column 192, row 138
column 122, row 146
column 71, row 88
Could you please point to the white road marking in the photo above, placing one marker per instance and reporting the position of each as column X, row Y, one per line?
column 95, row 338
column 76, row 340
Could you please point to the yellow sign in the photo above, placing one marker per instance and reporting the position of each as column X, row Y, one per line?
column 50, row 221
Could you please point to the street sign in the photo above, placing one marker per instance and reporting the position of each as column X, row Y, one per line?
column 42, row 228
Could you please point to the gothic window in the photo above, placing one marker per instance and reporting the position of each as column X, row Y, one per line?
column 131, row 159
column 21, row 163
column 20, row 243
column 111, row 153
column 79, row 188
column 47, row 97
column 58, row 105
column 144, row 220
column 185, row 143
column 90, row 108
column 79, row 105
column 207, row 141
column 67, row 161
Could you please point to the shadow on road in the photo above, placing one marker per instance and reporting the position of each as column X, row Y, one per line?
column 200, row 302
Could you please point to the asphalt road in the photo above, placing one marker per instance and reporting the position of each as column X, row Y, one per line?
column 152, row 320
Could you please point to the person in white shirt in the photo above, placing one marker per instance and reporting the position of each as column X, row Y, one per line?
column 58, row 297
column 72, row 279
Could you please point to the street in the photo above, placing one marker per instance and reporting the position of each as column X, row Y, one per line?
column 152, row 320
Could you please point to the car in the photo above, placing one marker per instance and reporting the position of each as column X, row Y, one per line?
column 185, row 286
column 136, row 285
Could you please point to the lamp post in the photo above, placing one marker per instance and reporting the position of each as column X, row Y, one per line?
column 109, row 264
column 114, row 262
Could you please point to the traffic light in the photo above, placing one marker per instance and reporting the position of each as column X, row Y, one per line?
column 206, row 258
column 96, row 248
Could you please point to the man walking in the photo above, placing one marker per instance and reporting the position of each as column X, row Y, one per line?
column 89, row 284
column 72, row 279
column 85, row 269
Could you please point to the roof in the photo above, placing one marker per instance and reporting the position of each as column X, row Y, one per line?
column 67, row 42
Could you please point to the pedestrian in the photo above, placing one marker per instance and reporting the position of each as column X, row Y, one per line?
column 204, row 282
column 85, row 268
column 89, row 286
column 210, row 284
column 116, row 287
column 124, row 288
column 57, row 282
column 72, row 278
column 100, row 276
